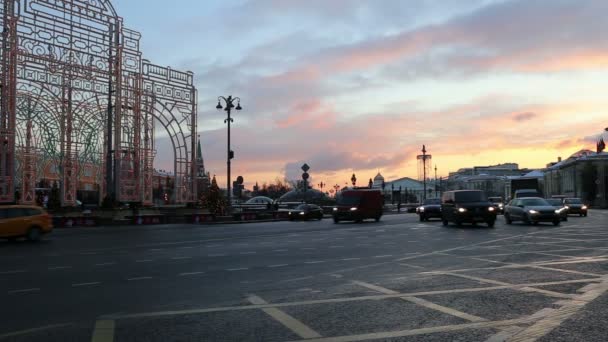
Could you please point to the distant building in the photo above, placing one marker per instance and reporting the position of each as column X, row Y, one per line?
column 583, row 175
column 404, row 189
column 495, row 180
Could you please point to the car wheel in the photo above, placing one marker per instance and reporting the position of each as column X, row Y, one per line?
column 421, row 218
column 508, row 219
column 34, row 234
column 527, row 219
column 585, row 215
column 445, row 222
column 491, row 224
column 377, row 218
column 580, row 215
column 535, row 223
column 458, row 224
column 556, row 222
column 336, row 220
column 12, row 239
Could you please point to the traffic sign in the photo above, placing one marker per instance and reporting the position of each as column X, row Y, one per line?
column 305, row 167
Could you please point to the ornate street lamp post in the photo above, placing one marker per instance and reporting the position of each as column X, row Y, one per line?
column 229, row 104
column 353, row 180
column 336, row 187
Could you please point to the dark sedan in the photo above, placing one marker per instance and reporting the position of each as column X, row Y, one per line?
column 575, row 206
column 430, row 208
column 532, row 210
column 558, row 204
column 498, row 203
column 306, row 212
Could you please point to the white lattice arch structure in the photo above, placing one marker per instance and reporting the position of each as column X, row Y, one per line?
column 74, row 65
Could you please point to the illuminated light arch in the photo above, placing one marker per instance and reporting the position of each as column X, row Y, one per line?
column 65, row 66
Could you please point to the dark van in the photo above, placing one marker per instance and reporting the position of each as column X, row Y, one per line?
column 358, row 205
column 467, row 206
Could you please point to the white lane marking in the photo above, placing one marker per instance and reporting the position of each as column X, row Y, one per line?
column 285, row 319
column 88, row 253
column 248, row 253
column 104, row 331
column 86, row 284
column 423, row 302
column 29, row 331
column 296, row 279
column 501, row 283
column 211, row 246
column 308, row 248
column 280, row 250
column 190, row 274
column 415, row 332
column 186, row 247
column 349, row 259
column 279, row 265
column 237, row 269
column 314, row 262
column 181, row 258
column 216, row 255
column 106, row 264
column 36, row 289
column 336, row 246
column 156, row 249
column 144, row 260
column 138, row 278
column 337, row 300
column 13, row 272
column 58, row 268
column 555, row 318
column 383, row 256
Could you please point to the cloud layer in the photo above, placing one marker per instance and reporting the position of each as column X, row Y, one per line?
column 350, row 86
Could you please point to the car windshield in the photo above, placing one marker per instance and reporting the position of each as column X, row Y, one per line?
column 495, row 199
column 555, row 202
column 470, row 197
column 348, row 200
column 531, row 202
column 432, row 201
column 573, row 201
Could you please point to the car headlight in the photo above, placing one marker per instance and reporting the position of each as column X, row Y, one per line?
column 335, row 209
column 584, row 207
column 353, row 209
column 558, row 211
column 491, row 209
column 302, row 213
column 290, row 213
column 462, row 210
column 533, row 212
column 421, row 209
column 500, row 205
column 566, row 207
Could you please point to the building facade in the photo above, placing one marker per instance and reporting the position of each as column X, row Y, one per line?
column 583, row 175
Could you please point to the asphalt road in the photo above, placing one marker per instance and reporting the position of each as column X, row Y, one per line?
column 397, row 280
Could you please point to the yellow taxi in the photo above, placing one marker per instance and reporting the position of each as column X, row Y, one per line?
column 18, row 221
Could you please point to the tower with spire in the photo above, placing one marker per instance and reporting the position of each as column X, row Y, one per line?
column 202, row 176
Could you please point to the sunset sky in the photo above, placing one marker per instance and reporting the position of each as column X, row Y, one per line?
column 359, row 85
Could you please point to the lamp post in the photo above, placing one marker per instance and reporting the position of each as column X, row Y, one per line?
column 321, row 186
column 336, row 187
column 229, row 103
column 353, row 180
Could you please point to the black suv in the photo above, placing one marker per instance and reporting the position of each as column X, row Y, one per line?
column 467, row 206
